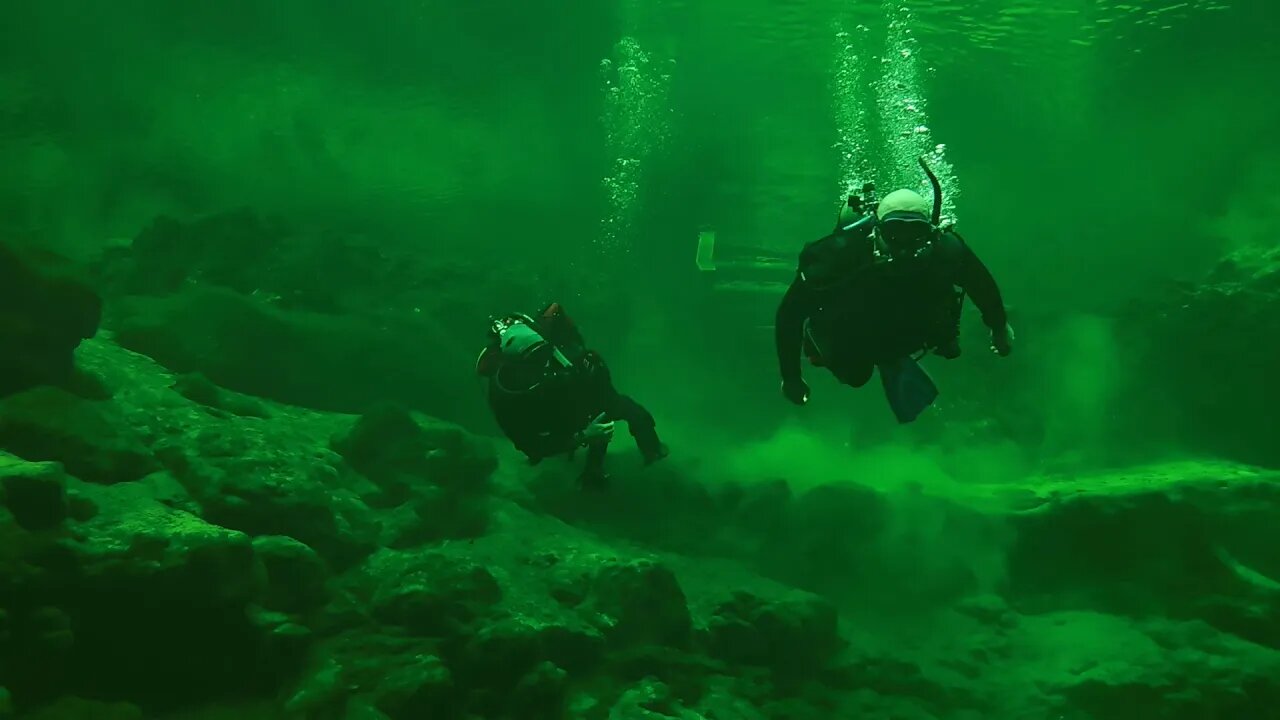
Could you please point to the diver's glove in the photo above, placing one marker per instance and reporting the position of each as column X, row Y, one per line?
column 1002, row 341
column 796, row 390
column 598, row 431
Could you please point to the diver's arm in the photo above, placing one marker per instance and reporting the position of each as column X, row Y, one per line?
column 789, row 327
column 977, row 281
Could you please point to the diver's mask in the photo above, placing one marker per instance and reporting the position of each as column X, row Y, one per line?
column 904, row 235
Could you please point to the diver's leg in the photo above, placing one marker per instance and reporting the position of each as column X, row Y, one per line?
column 593, row 476
column 642, row 426
column 854, row 371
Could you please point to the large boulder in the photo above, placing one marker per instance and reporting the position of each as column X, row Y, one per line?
column 319, row 270
column 171, row 588
column 34, row 493
column 90, row 438
column 1190, row 539
column 1104, row 668
column 327, row 362
column 428, row 593
column 640, row 602
column 438, row 469
column 296, row 575
column 1203, row 358
column 795, row 636
column 247, row 479
column 236, row 249
column 45, row 311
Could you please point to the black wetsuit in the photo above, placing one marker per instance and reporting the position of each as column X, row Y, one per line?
column 852, row 311
column 545, row 421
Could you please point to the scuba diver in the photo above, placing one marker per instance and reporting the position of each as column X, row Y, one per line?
column 551, row 395
column 882, row 290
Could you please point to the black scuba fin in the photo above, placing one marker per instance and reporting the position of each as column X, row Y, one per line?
column 908, row 388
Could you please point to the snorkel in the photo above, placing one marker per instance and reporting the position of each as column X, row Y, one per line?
column 937, row 191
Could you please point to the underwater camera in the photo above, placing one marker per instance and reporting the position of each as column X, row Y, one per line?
column 863, row 207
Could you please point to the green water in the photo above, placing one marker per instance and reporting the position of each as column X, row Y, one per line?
column 1038, row 545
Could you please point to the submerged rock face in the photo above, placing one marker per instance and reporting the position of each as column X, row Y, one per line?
column 1188, row 540
column 296, row 574
column 89, row 438
column 429, row 593
column 795, row 637
column 437, row 470
column 332, row 567
column 319, row 319
column 327, row 362
column 44, row 315
column 640, row 603
column 35, row 494
column 136, row 575
column 1204, row 361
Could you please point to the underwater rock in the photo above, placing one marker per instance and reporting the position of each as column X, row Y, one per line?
column 759, row 508
column 1169, row 669
column 1254, row 617
column 991, row 610
column 890, row 677
column 429, row 593
column 296, row 575
column 261, row 492
column 723, row 701
column 44, row 314
column 572, row 645
column 233, row 249
column 830, row 526
column 794, row 636
column 375, row 675
column 89, row 438
column 49, row 631
column 74, row 708
column 361, row 710
column 325, row 362
column 136, row 537
column 393, row 446
column 325, row 270
column 321, row 690
column 1203, row 362
column 341, row 533
column 650, row 700
column 515, row 655
column 640, row 602
column 1128, row 541
column 421, row 688
column 543, row 694
column 35, row 493
column 439, row 468
column 137, row 575
column 199, row 389
column 284, row 643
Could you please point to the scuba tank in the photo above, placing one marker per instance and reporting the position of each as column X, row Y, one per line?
column 513, row 339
